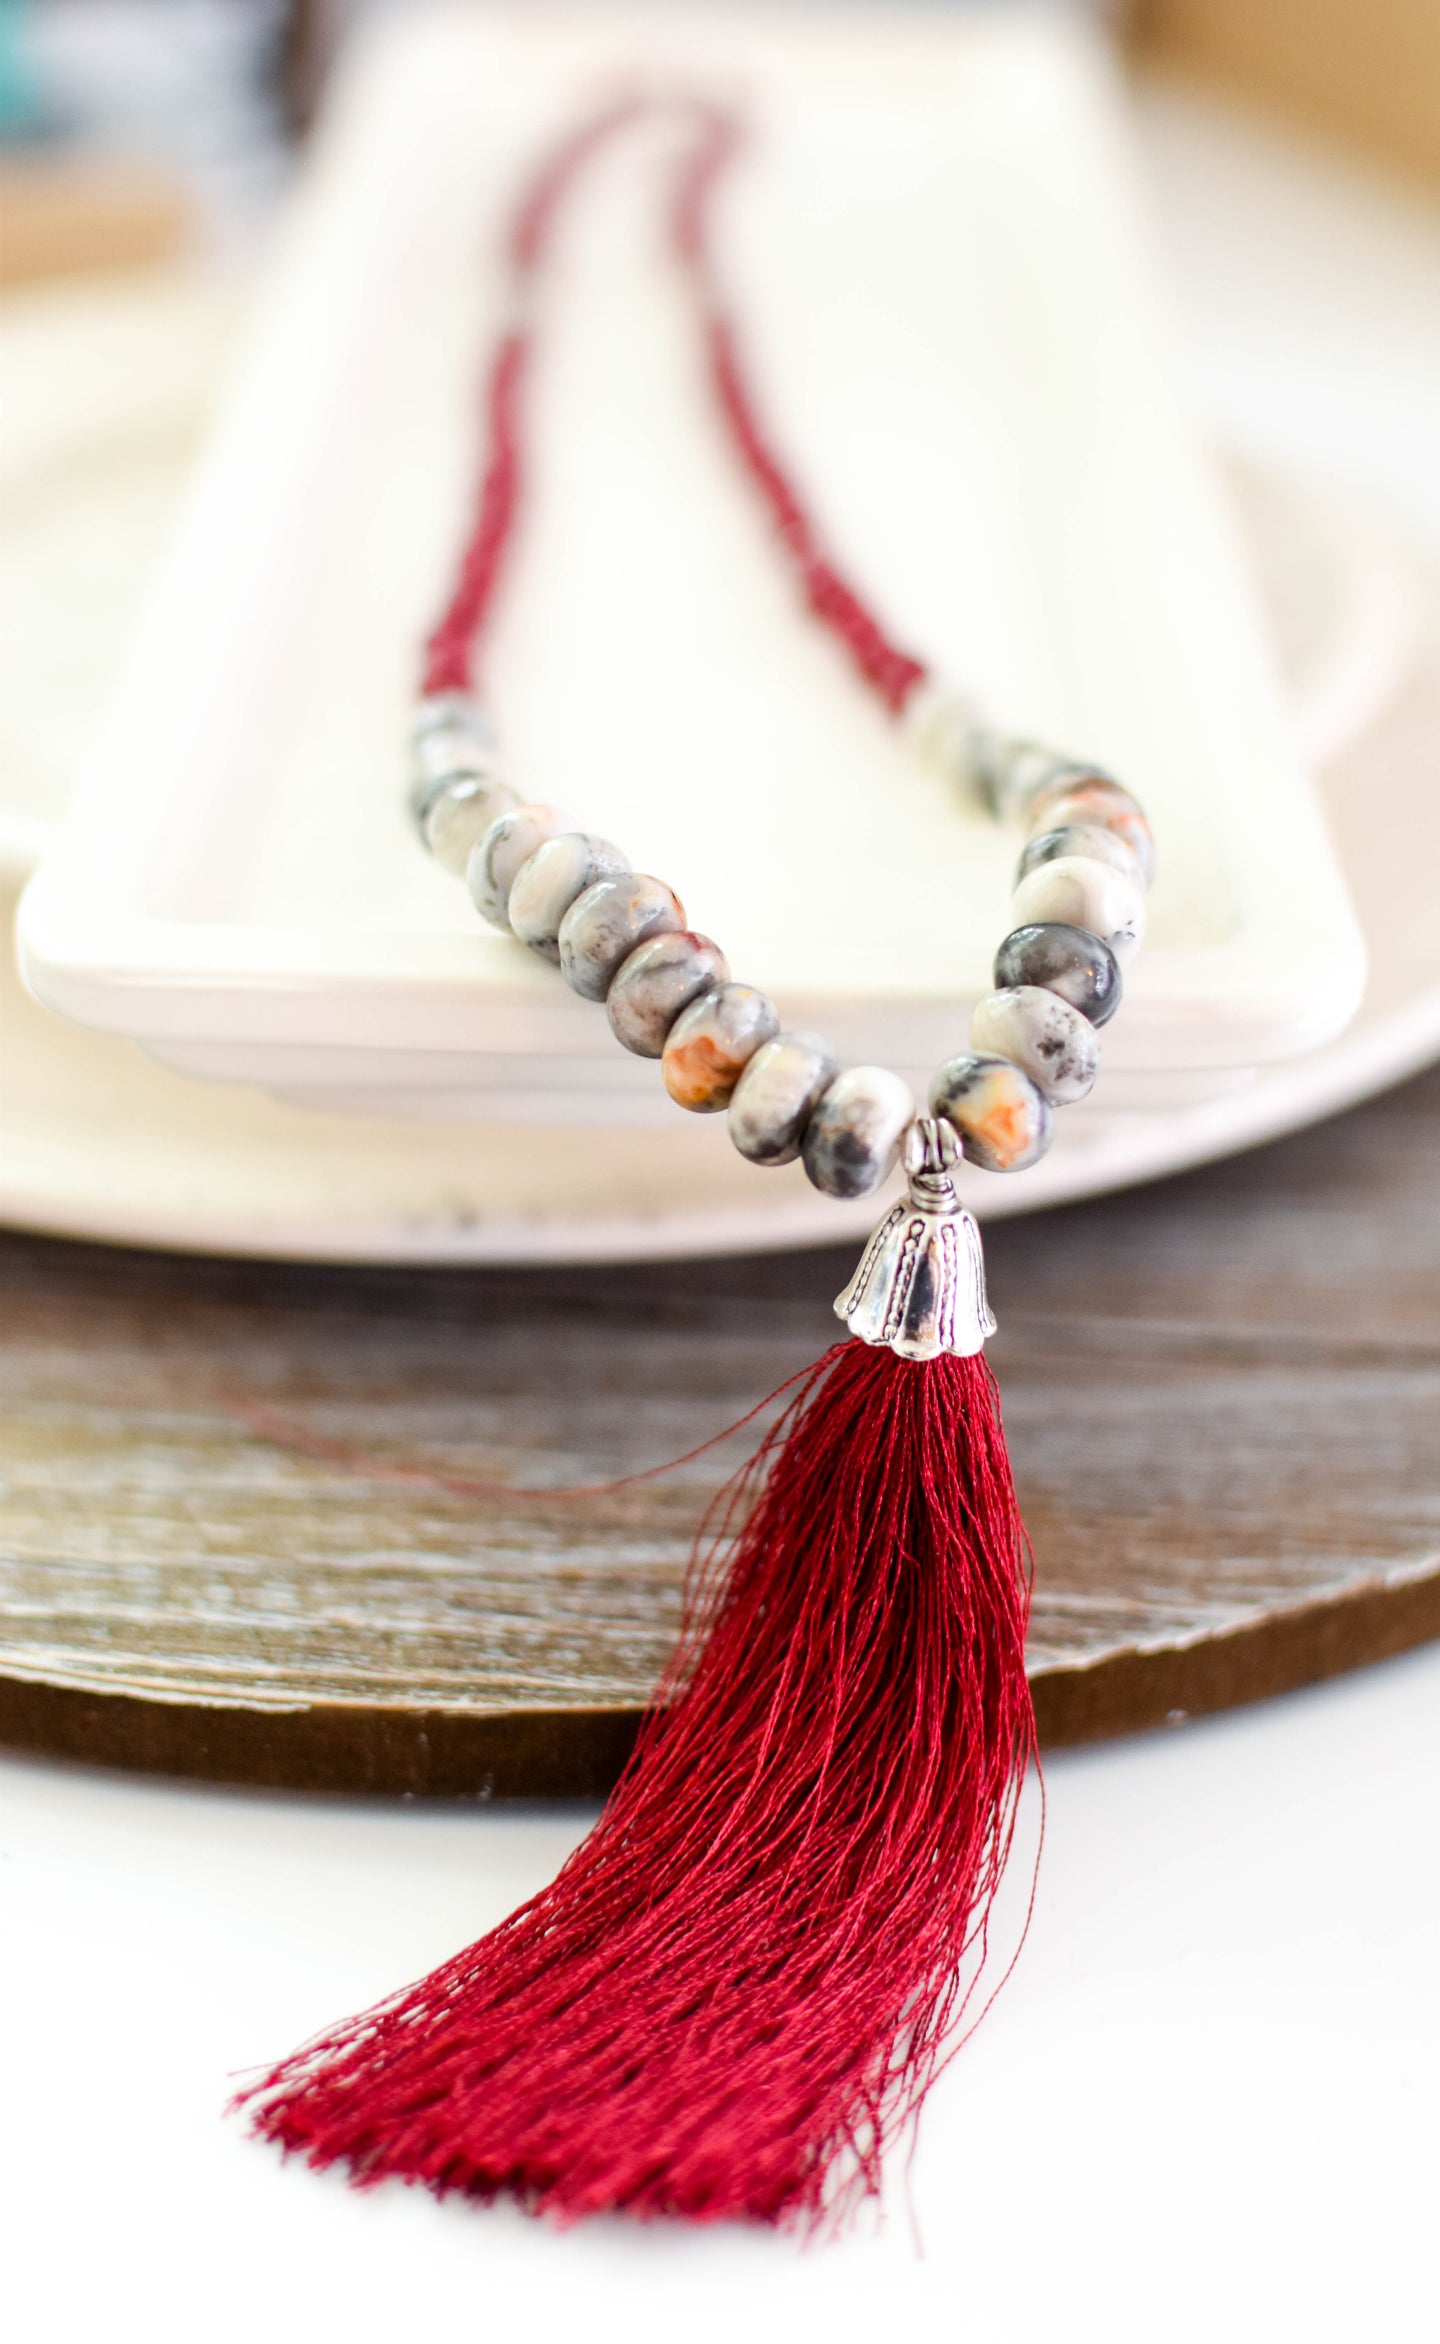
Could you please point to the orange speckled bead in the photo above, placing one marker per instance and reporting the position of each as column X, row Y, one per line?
column 712, row 1042
column 1000, row 1114
column 1093, row 798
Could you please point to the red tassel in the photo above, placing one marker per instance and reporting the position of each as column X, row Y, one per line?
column 738, row 1989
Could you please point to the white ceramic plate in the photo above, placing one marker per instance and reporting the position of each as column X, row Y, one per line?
column 98, row 1141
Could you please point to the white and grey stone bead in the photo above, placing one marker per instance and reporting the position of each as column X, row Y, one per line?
column 604, row 925
column 1010, row 771
column 442, row 755
column 999, row 1111
column 712, row 1042
column 1084, row 894
column 777, row 1095
column 946, row 728
column 548, row 882
column 660, row 978
column 457, row 814
column 853, row 1137
column 1079, row 838
column 1091, row 796
column 451, row 737
column 1056, row 1045
column 495, row 859
column 1070, row 961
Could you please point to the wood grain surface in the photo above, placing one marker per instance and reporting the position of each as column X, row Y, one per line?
column 1222, row 1394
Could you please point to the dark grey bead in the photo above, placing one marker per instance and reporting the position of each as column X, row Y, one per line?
column 1080, row 967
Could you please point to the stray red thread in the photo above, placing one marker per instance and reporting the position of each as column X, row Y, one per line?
column 452, row 650
column 735, row 1994
column 284, row 1432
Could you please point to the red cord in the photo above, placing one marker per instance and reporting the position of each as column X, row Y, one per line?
column 450, row 654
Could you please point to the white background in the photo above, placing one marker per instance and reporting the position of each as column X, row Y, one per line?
column 1205, row 2105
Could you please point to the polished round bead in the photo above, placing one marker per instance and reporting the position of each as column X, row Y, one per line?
column 712, row 1042
column 659, row 979
column 1093, row 798
column 1056, row 1045
column 999, row 1112
column 547, row 884
column 604, row 925
column 496, row 857
column 777, row 1094
column 1070, row 961
column 853, row 1137
column 1080, row 838
column 457, row 815
column 1084, row 894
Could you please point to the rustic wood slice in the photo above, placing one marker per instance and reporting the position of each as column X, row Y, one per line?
column 1222, row 1392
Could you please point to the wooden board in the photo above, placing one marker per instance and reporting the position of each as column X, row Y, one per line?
column 1223, row 1397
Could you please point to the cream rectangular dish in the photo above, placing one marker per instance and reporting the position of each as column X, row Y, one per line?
column 936, row 255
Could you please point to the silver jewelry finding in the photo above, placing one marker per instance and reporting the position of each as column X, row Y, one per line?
column 920, row 1286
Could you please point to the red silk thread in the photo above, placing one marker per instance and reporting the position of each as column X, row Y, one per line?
column 452, row 651
column 733, row 1997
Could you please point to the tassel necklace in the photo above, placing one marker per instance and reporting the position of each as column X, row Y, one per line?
column 735, row 1994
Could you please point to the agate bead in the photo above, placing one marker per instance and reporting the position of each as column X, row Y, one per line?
column 777, row 1094
column 1055, row 1044
column 548, row 882
column 853, row 1137
column 1070, row 961
column 1010, row 771
column 1084, row 894
column 1087, row 796
column 604, row 925
column 457, row 814
column 660, row 978
column 495, row 860
column 999, row 1112
column 712, row 1042
column 451, row 738
column 1079, row 838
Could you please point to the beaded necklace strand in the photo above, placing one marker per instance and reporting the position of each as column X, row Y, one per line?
column 736, row 1993
column 620, row 936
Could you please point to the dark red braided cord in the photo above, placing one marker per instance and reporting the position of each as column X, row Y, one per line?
column 450, row 653
column 451, row 649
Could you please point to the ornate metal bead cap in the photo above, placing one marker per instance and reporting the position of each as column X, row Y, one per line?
column 920, row 1286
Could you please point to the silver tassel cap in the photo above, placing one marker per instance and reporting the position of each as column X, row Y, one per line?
column 920, row 1286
